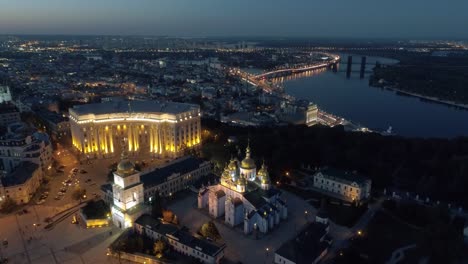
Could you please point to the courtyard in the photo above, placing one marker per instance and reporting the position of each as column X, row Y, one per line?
column 240, row 247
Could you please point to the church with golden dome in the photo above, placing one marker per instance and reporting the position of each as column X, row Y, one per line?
column 245, row 197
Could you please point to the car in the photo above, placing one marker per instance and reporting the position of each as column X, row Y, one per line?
column 83, row 172
column 40, row 201
column 88, row 180
column 57, row 197
column 63, row 189
column 75, row 170
column 60, row 193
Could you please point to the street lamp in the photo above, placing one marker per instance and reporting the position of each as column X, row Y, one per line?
column 359, row 232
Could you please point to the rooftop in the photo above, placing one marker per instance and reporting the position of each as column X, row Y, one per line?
column 259, row 197
column 337, row 174
column 160, row 175
column 133, row 106
column 20, row 174
column 156, row 225
column 198, row 243
column 184, row 237
column 95, row 210
column 306, row 247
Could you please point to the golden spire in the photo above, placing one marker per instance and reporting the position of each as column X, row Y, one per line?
column 247, row 150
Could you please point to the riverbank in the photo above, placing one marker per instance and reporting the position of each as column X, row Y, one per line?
column 428, row 98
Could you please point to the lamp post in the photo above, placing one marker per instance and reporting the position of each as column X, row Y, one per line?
column 267, row 250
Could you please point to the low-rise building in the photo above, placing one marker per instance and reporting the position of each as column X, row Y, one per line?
column 348, row 186
column 180, row 240
column 94, row 214
column 9, row 114
column 178, row 175
column 309, row 247
column 21, row 183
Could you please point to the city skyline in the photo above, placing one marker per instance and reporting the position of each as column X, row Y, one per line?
column 183, row 18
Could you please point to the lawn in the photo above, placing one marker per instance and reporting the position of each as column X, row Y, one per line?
column 345, row 215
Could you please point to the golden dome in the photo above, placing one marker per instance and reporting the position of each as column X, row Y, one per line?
column 263, row 174
column 248, row 163
column 232, row 165
column 125, row 166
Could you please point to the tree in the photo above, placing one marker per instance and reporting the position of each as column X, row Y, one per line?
column 168, row 216
column 209, row 230
column 159, row 247
column 8, row 205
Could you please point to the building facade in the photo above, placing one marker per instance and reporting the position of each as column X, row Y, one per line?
column 245, row 197
column 5, row 94
column 21, row 183
column 312, row 115
column 9, row 114
column 342, row 184
column 24, row 143
column 160, row 129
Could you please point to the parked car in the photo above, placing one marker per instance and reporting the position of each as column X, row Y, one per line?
column 40, row 201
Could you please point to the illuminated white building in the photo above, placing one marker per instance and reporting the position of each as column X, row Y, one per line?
column 128, row 195
column 312, row 115
column 245, row 197
column 5, row 94
column 342, row 184
column 162, row 129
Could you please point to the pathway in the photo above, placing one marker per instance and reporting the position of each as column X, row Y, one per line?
column 399, row 254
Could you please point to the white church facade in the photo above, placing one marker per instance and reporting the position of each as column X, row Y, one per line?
column 245, row 197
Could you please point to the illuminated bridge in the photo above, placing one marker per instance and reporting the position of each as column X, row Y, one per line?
column 302, row 68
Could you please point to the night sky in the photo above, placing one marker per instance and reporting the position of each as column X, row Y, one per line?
column 286, row 18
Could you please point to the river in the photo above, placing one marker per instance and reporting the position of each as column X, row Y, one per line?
column 375, row 108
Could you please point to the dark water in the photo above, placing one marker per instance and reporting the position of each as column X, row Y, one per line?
column 375, row 108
